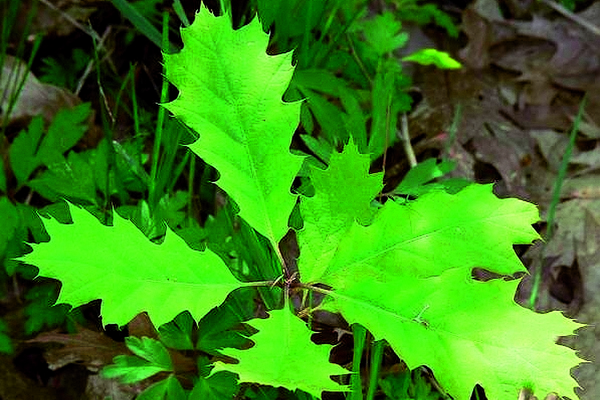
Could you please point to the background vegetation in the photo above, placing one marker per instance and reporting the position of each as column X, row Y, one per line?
column 80, row 84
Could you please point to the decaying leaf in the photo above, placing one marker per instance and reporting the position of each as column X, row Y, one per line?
column 89, row 348
column 29, row 95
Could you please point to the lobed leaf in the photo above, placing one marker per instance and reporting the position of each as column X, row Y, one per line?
column 468, row 332
column 152, row 358
column 407, row 278
column 119, row 265
column 167, row 389
column 219, row 386
column 283, row 355
column 32, row 148
column 436, row 232
column 231, row 94
column 343, row 193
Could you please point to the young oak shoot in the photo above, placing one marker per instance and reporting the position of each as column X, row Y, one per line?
column 383, row 265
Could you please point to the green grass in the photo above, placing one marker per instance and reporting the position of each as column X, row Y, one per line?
column 558, row 183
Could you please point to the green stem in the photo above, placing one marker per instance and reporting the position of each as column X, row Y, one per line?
column 359, row 62
column 108, row 130
column 562, row 173
column 452, row 131
column 161, row 113
column 191, row 186
column 376, row 357
column 360, row 333
column 134, row 106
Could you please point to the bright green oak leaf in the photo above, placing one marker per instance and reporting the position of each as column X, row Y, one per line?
column 283, row 355
column 151, row 357
column 343, row 193
column 231, row 94
column 407, row 278
column 466, row 331
column 119, row 265
column 436, row 232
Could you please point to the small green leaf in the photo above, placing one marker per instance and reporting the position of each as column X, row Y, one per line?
column 41, row 311
column 320, row 80
column 72, row 178
column 387, row 101
column 321, row 147
column 151, row 350
column 440, row 59
column 327, row 115
column 23, row 158
column 216, row 329
column 167, row 389
column 220, row 386
column 29, row 150
column 67, row 128
column 151, row 358
column 64, row 71
column 283, row 355
column 177, row 334
column 422, row 173
column 383, row 33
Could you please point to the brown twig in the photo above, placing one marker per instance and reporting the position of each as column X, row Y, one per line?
column 572, row 16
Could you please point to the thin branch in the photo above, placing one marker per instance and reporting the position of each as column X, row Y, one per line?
column 90, row 64
column 72, row 20
column 362, row 67
column 404, row 137
column 572, row 16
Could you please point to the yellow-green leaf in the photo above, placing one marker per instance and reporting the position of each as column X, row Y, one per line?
column 283, row 355
column 231, row 94
column 119, row 265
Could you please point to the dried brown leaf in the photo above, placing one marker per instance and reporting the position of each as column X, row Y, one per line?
column 33, row 97
column 87, row 347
